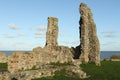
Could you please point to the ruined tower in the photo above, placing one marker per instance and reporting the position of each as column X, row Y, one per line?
column 90, row 47
column 52, row 32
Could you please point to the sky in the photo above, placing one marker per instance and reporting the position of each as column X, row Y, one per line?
column 23, row 23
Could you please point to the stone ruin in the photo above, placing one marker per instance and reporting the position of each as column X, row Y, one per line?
column 52, row 32
column 87, row 51
column 90, row 46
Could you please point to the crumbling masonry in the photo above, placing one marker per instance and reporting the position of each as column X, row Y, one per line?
column 89, row 47
column 52, row 32
column 87, row 51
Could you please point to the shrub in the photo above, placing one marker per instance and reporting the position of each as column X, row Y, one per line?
column 115, row 57
column 3, row 67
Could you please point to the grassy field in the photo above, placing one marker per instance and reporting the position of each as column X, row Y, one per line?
column 108, row 70
column 3, row 67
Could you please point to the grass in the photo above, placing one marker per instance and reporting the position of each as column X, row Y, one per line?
column 3, row 67
column 60, row 64
column 59, row 75
column 109, row 70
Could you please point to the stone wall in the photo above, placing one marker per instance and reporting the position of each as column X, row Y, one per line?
column 60, row 54
column 22, row 61
column 3, row 57
column 38, row 57
column 52, row 32
column 90, row 47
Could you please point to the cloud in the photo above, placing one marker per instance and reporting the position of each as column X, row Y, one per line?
column 13, row 26
column 109, row 34
column 70, row 43
column 38, row 35
column 30, row 28
column 42, row 28
column 1, row 43
column 22, row 35
column 20, row 43
column 9, row 36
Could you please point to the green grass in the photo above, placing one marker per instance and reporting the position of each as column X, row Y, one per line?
column 108, row 70
column 57, row 64
column 3, row 67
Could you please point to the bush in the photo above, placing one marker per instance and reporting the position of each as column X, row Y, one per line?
column 3, row 67
column 115, row 57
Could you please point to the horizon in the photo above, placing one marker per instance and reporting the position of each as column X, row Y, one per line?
column 23, row 23
column 39, row 46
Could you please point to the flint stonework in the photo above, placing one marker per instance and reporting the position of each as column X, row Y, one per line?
column 90, row 47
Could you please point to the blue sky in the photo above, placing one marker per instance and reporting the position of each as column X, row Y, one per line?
column 23, row 22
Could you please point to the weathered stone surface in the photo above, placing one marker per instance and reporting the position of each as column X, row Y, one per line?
column 22, row 61
column 5, row 76
column 75, row 72
column 3, row 57
column 57, row 54
column 64, row 54
column 39, row 58
column 71, row 70
column 52, row 32
column 37, row 50
column 90, row 47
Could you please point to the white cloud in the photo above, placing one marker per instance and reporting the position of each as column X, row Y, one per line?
column 1, row 43
column 22, row 35
column 38, row 36
column 38, row 33
column 13, row 26
column 30, row 28
column 109, row 34
column 70, row 43
column 42, row 28
column 9, row 36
